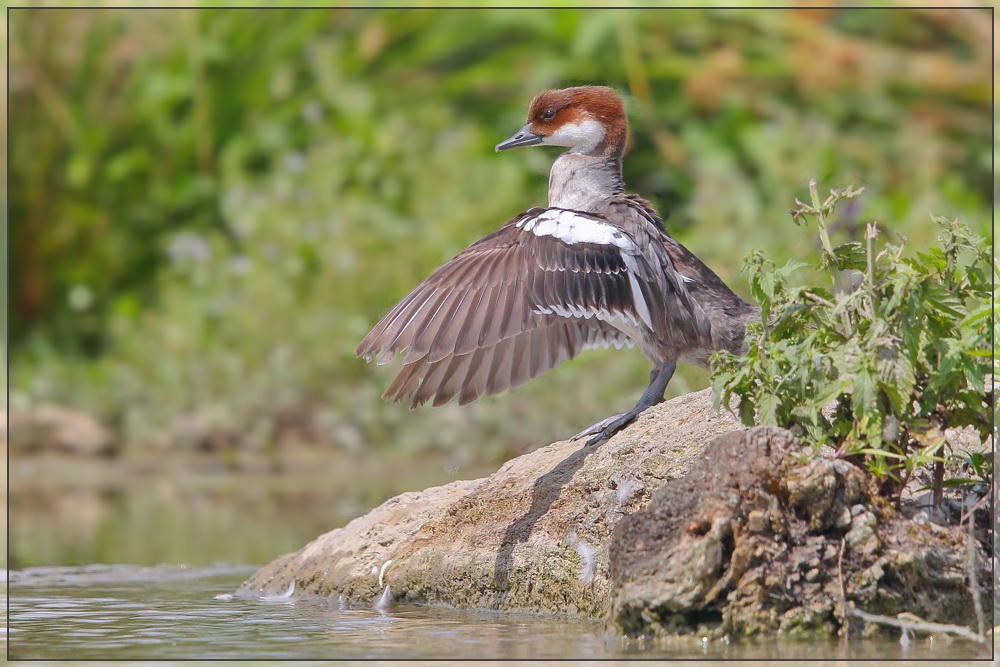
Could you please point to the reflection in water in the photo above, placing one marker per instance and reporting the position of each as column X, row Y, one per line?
column 72, row 511
column 106, row 612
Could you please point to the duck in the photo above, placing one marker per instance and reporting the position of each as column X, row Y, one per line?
column 595, row 268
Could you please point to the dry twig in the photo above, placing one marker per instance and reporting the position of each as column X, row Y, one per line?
column 919, row 626
column 970, row 566
column 843, row 592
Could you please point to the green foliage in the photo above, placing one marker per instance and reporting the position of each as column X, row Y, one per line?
column 881, row 364
column 208, row 209
column 980, row 465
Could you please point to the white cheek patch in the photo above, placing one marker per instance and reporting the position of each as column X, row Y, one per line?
column 581, row 137
column 572, row 228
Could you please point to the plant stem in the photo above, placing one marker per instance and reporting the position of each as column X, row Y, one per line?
column 824, row 237
column 938, row 488
column 869, row 237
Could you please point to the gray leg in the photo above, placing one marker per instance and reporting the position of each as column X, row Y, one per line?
column 659, row 378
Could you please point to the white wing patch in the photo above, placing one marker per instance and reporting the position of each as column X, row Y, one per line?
column 572, row 228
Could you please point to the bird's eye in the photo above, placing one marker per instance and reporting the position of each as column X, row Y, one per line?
column 549, row 114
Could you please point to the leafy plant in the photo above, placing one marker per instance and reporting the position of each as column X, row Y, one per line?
column 881, row 364
column 978, row 464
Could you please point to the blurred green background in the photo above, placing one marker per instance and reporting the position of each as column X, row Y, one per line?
column 209, row 208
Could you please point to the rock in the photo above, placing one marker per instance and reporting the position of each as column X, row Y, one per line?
column 533, row 536
column 861, row 538
column 751, row 543
column 824, row 490
column 51, row 428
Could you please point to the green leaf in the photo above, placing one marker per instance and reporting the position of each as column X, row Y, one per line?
column 980, row 315
column 896, row 398
column 943, row 299
column 933, row 259
column 787, row 318
column 767, row 410
column 896, row 379
column 863, row 397
column 881, row 453
column 851, row 256
column 830, row 392
column 790, row 267
column 959, row 481
column 975, row 373
column 746, row 410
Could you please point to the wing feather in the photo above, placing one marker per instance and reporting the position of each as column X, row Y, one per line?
column 529, row 296
column 476, row 381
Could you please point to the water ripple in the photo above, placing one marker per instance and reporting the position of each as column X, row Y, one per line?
column 120, row 612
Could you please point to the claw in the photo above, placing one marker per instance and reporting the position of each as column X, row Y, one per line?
column 617, row 423
column 604, row 429
column 595, row 428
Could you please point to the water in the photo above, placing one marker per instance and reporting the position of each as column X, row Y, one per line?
column 73, row 511
column 175, row 612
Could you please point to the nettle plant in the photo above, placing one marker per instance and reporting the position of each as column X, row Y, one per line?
column 881, row 364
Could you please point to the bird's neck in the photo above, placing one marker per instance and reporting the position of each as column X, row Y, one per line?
column 579, row 181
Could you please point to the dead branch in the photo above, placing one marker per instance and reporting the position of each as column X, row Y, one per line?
column 843, row 592
column 970, row 566
column 920, row 626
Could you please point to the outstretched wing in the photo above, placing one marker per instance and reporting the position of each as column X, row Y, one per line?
column 509, row 363
column 522, row 300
